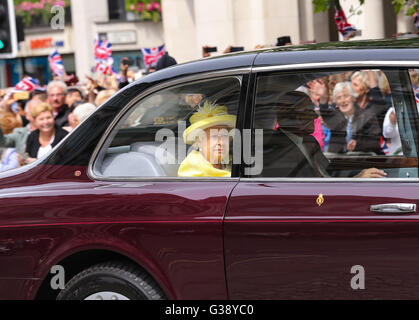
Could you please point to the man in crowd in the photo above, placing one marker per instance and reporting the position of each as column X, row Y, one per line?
column 39, row 94
column 57, row 91
column 73, row 94
column 165, row 61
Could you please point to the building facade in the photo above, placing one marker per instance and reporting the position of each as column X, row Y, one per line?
column 187, row 26
column 75, row 42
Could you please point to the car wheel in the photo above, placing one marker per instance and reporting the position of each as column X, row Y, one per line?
column 111, row 281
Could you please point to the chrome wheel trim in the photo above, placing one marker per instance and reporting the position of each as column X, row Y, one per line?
column 106, row 295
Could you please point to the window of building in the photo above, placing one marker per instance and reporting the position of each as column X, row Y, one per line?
column 117, row 10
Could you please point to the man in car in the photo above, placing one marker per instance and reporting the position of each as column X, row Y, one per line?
column 291, row 151
column 352, row 129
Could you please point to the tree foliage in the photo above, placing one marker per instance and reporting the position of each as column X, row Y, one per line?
column 411, row 6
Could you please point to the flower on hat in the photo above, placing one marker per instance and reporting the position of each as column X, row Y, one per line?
column 207, row 116
column 208, row 110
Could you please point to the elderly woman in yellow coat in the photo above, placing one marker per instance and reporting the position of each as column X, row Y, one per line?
column 209, row 133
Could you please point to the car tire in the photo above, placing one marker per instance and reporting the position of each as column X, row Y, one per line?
column 111, row 281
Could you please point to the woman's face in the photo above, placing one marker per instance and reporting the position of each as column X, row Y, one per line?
column 216, row 147
column 345, row 102
column 45, row 122
column 358, row 86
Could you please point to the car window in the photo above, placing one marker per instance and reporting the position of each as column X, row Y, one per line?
column 153, row 139
column 340, row 124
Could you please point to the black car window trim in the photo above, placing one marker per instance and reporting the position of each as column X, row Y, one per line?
column 406, row 107
column 257, row 72
column 101, row 147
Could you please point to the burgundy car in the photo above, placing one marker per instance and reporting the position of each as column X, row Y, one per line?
column 105, row 214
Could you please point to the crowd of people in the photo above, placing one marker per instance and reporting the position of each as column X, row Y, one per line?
column 31, row 128
column 33, row 123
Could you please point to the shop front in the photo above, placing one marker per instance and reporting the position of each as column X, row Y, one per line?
column 33, row 55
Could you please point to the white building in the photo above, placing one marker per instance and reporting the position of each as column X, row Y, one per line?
column 188, row 25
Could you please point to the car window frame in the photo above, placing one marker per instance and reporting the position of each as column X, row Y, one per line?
column 320, row 67
column 237, row 72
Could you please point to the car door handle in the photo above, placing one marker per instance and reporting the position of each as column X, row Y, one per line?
column 400, row 208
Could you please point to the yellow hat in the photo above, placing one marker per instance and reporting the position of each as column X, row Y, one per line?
column 206, row 117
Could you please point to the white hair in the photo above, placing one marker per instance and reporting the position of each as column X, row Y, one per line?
column 83, row 111
column 342, row 86
column 57, row 83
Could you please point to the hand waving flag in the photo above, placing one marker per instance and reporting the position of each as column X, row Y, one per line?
column 56, row 63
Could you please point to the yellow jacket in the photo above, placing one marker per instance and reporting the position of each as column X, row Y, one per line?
column 195, row 165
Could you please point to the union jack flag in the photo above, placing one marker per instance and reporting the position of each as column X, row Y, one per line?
column 416, row 89
column 344, row 27
column 103, row 56
column 416, row 20
column 56, row 63
column 152, row 55
column 27, row 84
column 384, row 146
column 103, row 68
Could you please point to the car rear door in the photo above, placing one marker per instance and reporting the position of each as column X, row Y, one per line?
column 327, row 238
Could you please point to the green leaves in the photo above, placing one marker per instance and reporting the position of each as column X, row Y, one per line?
column 411, row 6
column 146, row 9
column 321, row 5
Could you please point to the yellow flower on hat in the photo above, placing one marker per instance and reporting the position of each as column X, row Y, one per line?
column 206, row 117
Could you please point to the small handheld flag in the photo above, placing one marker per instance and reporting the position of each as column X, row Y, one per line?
column 27, row 84
column 103, row 57
column 152, row 55
column 56, row 64
column 345, row 28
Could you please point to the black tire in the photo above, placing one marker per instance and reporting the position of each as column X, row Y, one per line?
column 118, row 277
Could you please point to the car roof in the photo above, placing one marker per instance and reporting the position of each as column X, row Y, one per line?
column 329, row 52
column 343, row 51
